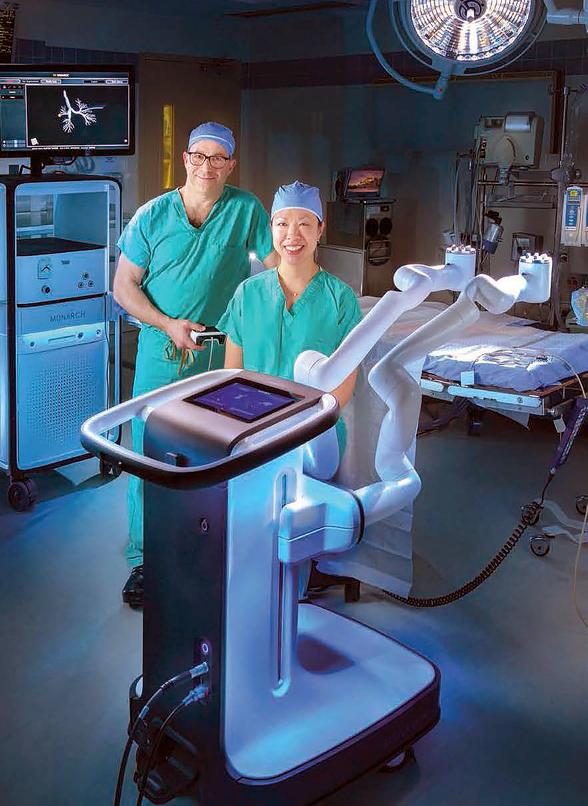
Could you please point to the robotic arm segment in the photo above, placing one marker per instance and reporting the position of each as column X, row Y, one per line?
column 384, row 498
column 317, row 370
column 458, row 270
column 323, row 520
column 531, row 284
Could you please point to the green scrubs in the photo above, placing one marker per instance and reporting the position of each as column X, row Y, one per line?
column 190, row 273
column 272, row 337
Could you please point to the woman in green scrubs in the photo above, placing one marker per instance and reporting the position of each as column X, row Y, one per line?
column 276, row 315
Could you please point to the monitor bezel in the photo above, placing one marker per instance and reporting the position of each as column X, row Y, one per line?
column 352, row 195
column 81, row 151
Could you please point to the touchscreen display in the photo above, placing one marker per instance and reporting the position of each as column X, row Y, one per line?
column 242, row 400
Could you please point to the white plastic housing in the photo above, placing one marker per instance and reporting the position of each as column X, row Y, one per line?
column 536, row 269
column 464, row 259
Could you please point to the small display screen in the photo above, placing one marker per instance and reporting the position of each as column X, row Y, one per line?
column 242, row 400
column 364, row 182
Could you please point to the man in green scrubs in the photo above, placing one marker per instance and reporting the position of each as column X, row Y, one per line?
column 183, row 254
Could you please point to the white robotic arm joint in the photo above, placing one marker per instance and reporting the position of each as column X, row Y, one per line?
column 323, row 520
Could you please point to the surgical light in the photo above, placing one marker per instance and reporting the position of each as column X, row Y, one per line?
column 456, row 37
column 468, row 30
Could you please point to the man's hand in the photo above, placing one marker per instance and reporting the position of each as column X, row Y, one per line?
column 179, row 332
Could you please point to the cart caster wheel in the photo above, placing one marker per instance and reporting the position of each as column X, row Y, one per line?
column 539, row 545
column 531, row 514
column 22, row 494
column 398, row 762
column 108, row 470
column 581, row 504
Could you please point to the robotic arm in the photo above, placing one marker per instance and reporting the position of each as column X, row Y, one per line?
column 415, row 282
column 339, row 525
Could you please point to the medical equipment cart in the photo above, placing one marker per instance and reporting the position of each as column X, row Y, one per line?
column 291, row 700
column 58, row 240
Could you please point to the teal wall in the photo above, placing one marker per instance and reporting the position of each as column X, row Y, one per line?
column 300, row 129
column 113, row 26
column 307, row 133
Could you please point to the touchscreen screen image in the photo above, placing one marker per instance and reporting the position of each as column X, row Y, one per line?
column 244, row 401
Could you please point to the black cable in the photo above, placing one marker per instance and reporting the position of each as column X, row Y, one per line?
column 190, row 674
column 123, row 766
column 154, row 748
column 528, row 518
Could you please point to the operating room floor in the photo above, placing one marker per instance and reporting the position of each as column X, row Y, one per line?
column 513, row 656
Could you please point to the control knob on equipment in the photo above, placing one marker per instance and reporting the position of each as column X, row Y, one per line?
column 46, row 289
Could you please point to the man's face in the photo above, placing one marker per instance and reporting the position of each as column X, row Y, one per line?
column 208, row 177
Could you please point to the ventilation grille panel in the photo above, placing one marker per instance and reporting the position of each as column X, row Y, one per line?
column 56, row 391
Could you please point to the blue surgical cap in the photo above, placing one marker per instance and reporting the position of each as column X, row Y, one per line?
column 216, row 132
column 300, row 197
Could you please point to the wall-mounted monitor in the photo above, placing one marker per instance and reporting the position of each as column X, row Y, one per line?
column 61, row 110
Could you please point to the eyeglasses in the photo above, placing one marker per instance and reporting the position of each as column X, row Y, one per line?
column 198, row 159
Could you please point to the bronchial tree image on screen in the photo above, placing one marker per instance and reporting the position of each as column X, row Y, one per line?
column 92, row 116
column 85, row 112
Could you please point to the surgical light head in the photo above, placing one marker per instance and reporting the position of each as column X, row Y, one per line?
column 469, row 31
column 456, row 37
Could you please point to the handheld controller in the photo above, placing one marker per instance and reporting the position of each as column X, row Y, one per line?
column 200, row 337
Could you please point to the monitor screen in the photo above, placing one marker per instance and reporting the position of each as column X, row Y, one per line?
column 244, row 400
column 364, row 182
column 62, row 110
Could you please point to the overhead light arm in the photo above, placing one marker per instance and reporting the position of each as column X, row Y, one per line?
column 566, row 16
column 438, row 91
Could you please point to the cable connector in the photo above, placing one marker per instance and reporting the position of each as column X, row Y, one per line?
column 191, row 674
column 197, row 694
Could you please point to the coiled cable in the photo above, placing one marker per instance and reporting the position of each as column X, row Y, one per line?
column 528, row 518
column 190, row 674
column 196, row 695
column 154, row 748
